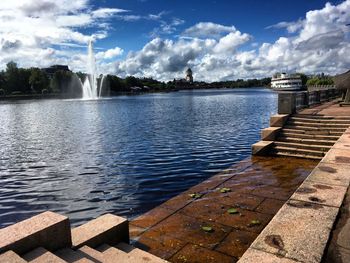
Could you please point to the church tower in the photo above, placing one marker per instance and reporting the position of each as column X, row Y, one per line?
column 189, row 77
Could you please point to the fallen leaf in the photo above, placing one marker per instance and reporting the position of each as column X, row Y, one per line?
column 195, row 195
column 232, row 211
column 254, row 223
column 225, row 190
column 207, row 228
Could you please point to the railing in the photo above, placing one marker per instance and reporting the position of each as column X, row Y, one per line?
column 292, row 101
column 300, row 99
column 319, row 87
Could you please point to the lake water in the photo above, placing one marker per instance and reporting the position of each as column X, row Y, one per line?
column 123, row 155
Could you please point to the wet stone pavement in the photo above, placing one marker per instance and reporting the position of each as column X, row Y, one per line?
column 217, row 220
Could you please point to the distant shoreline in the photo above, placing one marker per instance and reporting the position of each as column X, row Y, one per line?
column 127, row 93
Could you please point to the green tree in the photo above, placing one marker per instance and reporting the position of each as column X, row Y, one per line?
column 61, row 81
column 2, row 83
column 16, row 79
column 11, row 77
column 38, row 80
column 303, row 77
column 320, row 80
column 312, row 81
column 131, row 81
column 116, row 84
column 23, row 81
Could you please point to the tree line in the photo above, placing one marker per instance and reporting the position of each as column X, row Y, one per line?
column 24, row 81
column 320, row 79
column 16, row 80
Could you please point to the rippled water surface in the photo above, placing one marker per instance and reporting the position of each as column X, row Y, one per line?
column 123, row 155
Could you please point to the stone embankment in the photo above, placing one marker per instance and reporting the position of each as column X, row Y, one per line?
column 301, row 229
column 309, row 136
column 301, row 135
column 308, row 123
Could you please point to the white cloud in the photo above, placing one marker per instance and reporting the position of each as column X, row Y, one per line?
column 208, row 30
column 133, row 18
column 291, row 27
column 110, row 53
column 158, row 16
column 43, row 32
column 78, row 20
column 230, row 42
column 166, row 28
column 167, row 59
column 106, row 12
column 319, row 43
column 32, row 32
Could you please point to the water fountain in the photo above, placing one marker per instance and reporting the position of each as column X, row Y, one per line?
column 92, row 88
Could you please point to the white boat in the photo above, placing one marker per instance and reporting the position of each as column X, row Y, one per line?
column 284, row 81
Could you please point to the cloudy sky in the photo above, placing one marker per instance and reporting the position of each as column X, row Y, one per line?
column 219, row 40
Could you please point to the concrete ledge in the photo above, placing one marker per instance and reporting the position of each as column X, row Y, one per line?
column 331, row 174
column 11, row 257
column 109, row 229
column 278, row 120
column 299, row 231
column 48, row 230
column 320, row 193
column 302, row 227
column 258, row 256
column 262, row 147
column 270, row 134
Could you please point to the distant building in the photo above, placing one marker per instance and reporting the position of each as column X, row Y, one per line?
column 50, row 71
column 189, row 76
column 186, row 82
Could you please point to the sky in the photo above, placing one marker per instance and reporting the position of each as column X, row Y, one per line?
column 218, row 39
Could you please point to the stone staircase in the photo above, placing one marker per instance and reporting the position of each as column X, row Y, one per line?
column 309, row 136
column 48, row 238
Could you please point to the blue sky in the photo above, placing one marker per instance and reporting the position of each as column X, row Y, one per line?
column 219, row 40
column 251, row 16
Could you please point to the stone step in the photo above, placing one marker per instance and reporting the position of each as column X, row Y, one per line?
column 306, row 141
column 311, row 128
column 140, row 255
column 110, row 229
column 112, row 254
column 305, row 156
column 301, row 146
column 311, row 132
column 310, row 116
column 293, row 150
column 48, row 229
column 91, row 253
column 41, row 255
column 321, row 121
column 309, row 136
column 125, row 253
column 317, row 125
column 11, row 257
column 73, row 256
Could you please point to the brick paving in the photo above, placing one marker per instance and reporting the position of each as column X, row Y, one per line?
column 331, row 108
column 256, row 188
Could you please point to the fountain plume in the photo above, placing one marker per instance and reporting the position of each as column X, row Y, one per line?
column 91, row 88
